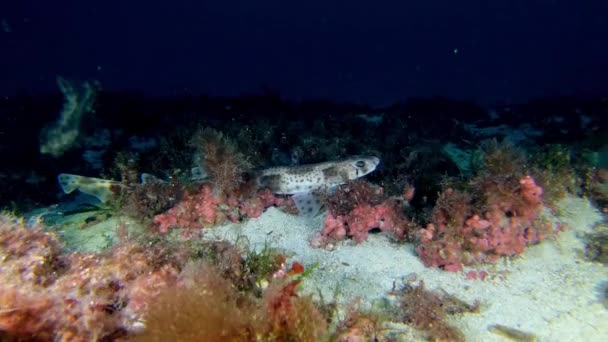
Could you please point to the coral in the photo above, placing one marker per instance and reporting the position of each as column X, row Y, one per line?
column 20, row 313
column 29, row 254
column 49, row 295
column 499, row 218
column 240, row 206
column 96, row 293
column 357, row 223
column 202, row 208
column 220, row 158
column 30, row 260
column 351, row 195
column 458, row 236
column 194, row 211
column 357, row 208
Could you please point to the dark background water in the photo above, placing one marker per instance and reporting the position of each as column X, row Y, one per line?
column 373, row 52
column 295, row 78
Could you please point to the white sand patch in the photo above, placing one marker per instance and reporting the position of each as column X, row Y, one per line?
column 550, row 291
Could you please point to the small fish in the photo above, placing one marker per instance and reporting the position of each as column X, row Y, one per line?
column 301, row 181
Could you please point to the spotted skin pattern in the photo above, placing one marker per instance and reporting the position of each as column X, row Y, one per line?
column 299, row 181
column 302, row 180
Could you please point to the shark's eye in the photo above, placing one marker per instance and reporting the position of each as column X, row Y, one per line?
column 360, row 163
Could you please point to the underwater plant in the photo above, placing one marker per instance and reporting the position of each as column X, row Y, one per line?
column 354, row 193
column 553, row 166
column 596, row 186
column 427, row 311
column 204, row 306
column 49, row 295
column 144, row 201
column 221, row 159
column 149, row 290
column 596, row 244
column 360, row 324
column 496, row 214
column 505, row 229
column 143, row 196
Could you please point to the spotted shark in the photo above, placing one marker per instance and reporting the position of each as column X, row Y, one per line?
column 303, row 181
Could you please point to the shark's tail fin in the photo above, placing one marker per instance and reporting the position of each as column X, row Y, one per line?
column 103, row 189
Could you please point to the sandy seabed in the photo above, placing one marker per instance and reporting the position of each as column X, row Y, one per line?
column 551, row 291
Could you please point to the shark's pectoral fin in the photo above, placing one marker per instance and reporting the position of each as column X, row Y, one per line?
column 307, row 203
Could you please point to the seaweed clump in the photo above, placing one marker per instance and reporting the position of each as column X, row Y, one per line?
column 560, row 171
column 597, row 187
column 207, row 307
column 143, row 197
column 499, row 167
column 353, row 194
column 221, row 159
column 46, row 294
column 498, row 213
column 427, row 311
column 596, row 247
column 151, row 291
column 361, row 325
column 247, row 269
